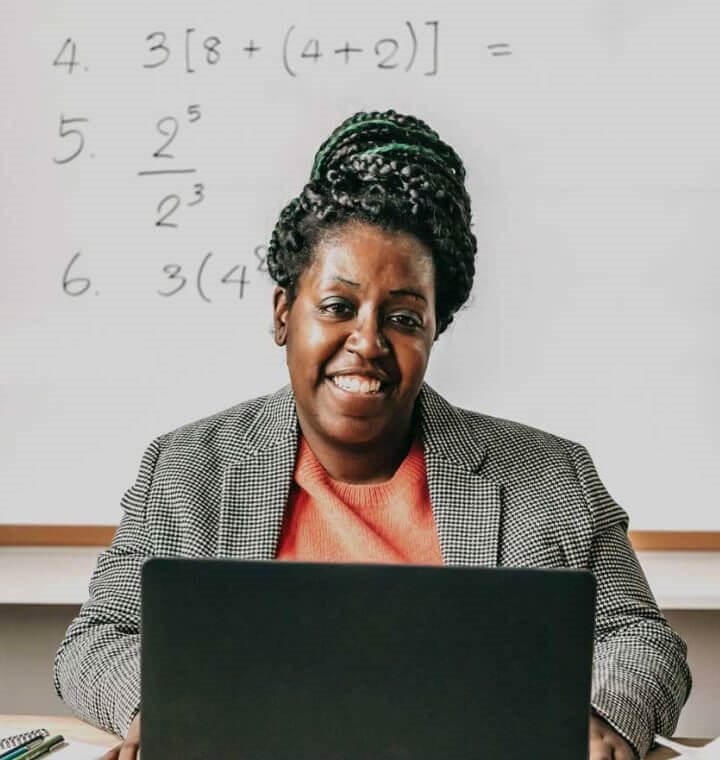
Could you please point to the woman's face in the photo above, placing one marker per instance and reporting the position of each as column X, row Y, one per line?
column 358, row 334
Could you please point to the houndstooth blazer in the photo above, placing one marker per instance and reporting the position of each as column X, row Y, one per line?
column 502, row 494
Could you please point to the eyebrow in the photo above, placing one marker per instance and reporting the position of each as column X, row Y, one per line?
column 396, row 292
column 352, row 284
column 408, row 292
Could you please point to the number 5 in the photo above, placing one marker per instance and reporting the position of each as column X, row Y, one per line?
column 69, row 133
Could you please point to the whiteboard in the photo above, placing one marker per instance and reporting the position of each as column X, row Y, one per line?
column 133, row 301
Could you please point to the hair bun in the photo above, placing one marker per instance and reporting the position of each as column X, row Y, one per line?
column 366, row 132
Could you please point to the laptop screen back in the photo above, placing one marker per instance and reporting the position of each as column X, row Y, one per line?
column 260, row 660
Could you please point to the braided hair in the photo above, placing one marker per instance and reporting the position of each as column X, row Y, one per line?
column 392, row 171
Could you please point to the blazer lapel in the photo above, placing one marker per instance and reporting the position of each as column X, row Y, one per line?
column 467, row 507
column 256, row 485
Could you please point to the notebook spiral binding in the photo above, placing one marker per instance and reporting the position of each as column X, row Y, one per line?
column 10, row 742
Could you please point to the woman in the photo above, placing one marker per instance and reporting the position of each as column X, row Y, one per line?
column 361, row 461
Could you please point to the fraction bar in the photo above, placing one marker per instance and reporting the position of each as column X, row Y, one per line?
column 167, row 171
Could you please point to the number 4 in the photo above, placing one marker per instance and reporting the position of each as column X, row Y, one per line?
column 72, row 60
column 312, row 50
column 228, row 279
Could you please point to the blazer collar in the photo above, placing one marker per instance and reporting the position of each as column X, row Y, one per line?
column 446, row 432
column 466, row 506
column 257, row 484
column 276, row 422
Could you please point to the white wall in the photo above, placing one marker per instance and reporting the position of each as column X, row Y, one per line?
column 593, row 164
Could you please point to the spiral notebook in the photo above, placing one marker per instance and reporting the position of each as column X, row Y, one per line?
column 15, row 740
column 13, row 736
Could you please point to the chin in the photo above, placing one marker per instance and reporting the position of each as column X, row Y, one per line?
column 355, row 432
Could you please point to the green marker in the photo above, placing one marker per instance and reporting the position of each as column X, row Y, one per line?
column 42, row 749
column 21, row 750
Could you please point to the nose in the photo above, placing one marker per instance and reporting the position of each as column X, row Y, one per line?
column 367, row 339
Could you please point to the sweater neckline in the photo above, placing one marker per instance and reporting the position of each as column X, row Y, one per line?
column 410, row 472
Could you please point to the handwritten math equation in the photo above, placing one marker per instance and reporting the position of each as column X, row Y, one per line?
column 161, row 162
column 208, row 277
column 409, row 47
column 181, row 191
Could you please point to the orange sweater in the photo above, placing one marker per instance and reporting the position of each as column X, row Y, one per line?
column 330, row 521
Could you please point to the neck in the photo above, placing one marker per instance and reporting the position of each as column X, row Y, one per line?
column 360, row 463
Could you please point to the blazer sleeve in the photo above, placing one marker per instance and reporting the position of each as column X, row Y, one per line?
column 97, row 667
column 640, row 677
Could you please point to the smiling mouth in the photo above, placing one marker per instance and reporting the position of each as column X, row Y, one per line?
column 358, row 384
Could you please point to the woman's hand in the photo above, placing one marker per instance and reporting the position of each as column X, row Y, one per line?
column 605, row 742
column 130, row 748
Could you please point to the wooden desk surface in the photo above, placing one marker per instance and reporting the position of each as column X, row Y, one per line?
column 72, row 728
column 662, row 753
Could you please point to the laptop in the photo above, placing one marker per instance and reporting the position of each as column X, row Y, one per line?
column 255, row 660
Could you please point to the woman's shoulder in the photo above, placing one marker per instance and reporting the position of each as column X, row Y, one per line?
column 501, row 429
column 494, row 432
column 241, row 428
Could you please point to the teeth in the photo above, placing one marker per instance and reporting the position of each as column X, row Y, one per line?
column 357, row 383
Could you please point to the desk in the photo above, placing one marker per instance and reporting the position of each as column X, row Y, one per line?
column 662, row 753
column 72, row 728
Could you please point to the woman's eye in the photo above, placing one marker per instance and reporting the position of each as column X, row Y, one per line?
column 335, row 308
column 405, row 320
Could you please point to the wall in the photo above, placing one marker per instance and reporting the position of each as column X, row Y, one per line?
column 592, row 160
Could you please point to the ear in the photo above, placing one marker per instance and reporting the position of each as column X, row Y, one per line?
column 281, row 311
